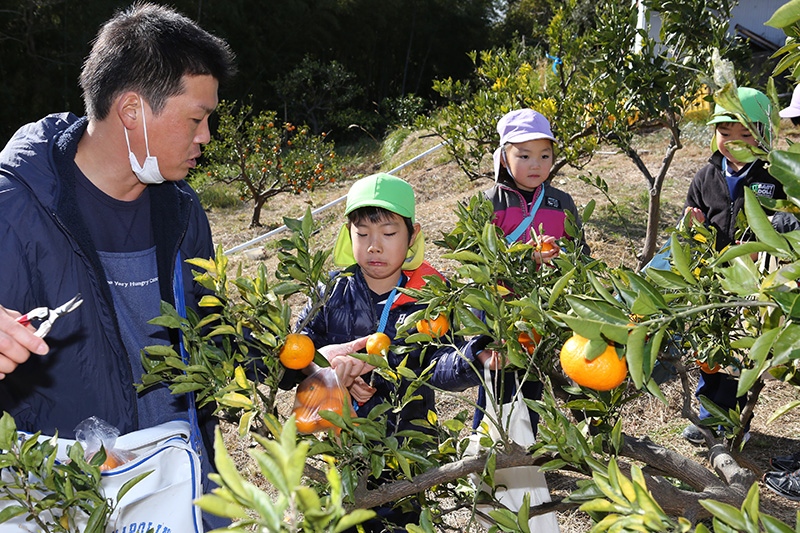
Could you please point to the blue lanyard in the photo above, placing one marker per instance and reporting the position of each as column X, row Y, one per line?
column 527, row 221
column 388, row 305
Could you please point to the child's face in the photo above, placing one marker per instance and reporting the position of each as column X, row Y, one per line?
column 733, row 131
column 380, row 249
column 529, row 162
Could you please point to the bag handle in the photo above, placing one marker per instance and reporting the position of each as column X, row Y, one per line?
column 180, row 307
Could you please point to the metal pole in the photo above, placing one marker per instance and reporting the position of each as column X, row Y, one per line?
column 328, row 205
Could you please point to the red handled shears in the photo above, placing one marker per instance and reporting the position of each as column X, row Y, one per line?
column 46, row 316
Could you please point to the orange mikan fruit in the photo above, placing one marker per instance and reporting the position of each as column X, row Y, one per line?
column 707, row 369
column 435, row 327
column 605, row 372
column 378, row 344
column 527, row 342
column 297, row 352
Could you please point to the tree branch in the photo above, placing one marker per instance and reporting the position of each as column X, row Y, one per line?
column 392, row 491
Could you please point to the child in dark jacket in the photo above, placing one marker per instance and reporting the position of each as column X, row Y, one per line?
column 715, row 198
column 527, row 207
column 381, row 248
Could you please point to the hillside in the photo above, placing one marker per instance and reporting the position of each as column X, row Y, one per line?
column 614, row 235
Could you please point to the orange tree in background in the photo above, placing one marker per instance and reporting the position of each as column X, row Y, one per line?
column 599, row 80
column 265, row 157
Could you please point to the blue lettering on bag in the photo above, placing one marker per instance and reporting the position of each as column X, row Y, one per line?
column 143, row 527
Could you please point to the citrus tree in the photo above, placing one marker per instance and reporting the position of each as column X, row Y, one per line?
column 264, row 157
column 599, row 80
column 581, row 429
column 650, row 318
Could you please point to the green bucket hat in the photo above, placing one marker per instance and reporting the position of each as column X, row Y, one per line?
column 390, row 193
column 757, row 109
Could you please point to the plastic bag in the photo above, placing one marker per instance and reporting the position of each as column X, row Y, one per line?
column 94, row 433
column 321, row 391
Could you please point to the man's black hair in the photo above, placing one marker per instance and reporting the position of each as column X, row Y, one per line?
column 148, row 48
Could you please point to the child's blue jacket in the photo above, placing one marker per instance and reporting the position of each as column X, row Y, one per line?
column 350, row 313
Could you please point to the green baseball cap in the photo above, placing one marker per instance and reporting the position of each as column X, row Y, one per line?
column 756, row 107
column 382, row 190
column 386, row 191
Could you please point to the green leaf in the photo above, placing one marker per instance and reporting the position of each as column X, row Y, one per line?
column 758, row 355
column 478, row 274
column 8, row 431
column 222, row 330
column 600, row 289
column 128, row 485
column 681, row 260
column 741, row 278
column 465, row 256
column 560, row 285
column 785, row 16
column 740, row 250
column 7, row 513
column 783, row 410
column 597, row 310
column 648, row 298
column 216, row 505
column 352, row 519
column 773, row 525
column 226, row 467
column 760, row 224
column 596, row 330
column 786, row 167
column 727, row 513
column 635, row 354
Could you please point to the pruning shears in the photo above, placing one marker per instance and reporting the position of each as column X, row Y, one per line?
column 46, row 316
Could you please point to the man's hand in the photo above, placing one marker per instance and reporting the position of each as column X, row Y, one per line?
column 347, row 368
column 17, row 342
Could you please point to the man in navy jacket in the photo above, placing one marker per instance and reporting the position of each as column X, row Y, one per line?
column 98, row 206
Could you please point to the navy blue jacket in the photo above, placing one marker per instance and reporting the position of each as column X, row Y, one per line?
column 350, row 314
column 48, row 257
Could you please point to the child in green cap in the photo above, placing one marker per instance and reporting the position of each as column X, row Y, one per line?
column 715, row 198
column 381, row 248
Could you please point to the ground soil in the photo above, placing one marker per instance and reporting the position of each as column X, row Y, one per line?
column 614, row 234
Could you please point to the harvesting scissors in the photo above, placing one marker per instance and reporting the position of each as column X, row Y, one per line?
column 47, row 316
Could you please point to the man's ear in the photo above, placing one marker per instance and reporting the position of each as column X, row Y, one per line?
column 129, row 109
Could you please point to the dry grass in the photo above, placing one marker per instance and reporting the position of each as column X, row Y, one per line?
column 613, row 236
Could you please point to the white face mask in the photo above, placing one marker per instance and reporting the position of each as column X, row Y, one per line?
column 149, row 174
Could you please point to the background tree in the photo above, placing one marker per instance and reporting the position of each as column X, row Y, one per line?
column 265, row 158
column 321, row 95
column 599, row 79
column 393, row 48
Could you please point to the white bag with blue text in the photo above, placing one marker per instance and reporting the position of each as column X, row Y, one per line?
column 162, row 502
